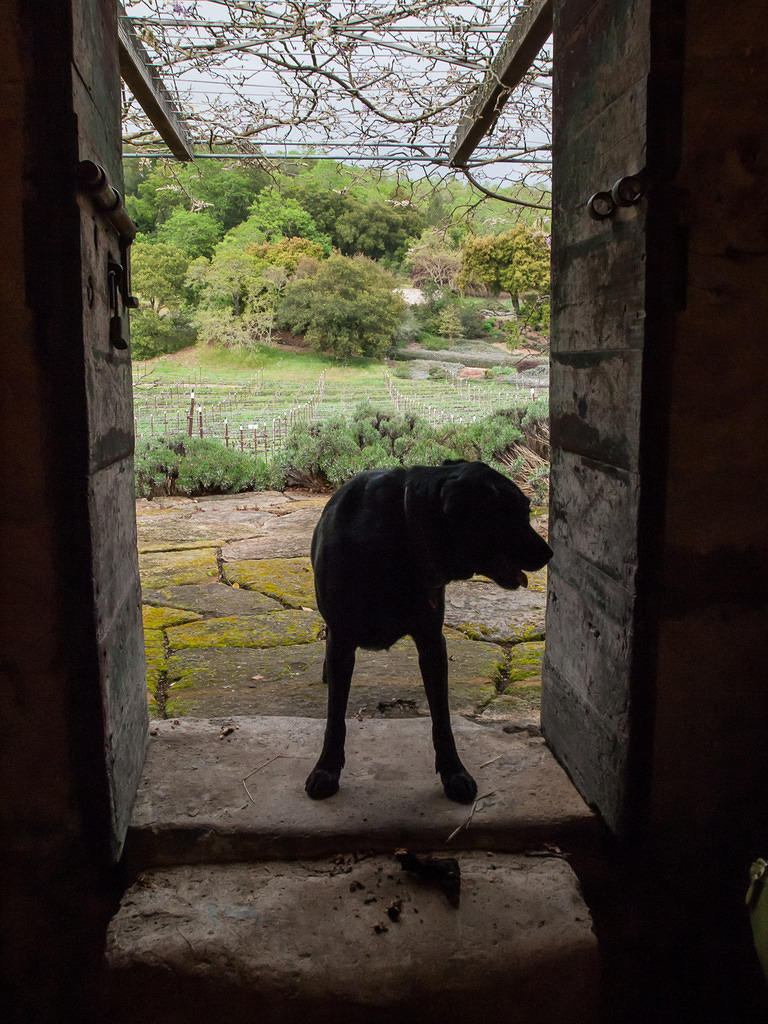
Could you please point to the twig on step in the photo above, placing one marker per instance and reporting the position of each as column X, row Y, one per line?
column 258, row 768
column 465, row 824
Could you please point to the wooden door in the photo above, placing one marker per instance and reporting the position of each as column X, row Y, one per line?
column 589, row 710
column 104, row 252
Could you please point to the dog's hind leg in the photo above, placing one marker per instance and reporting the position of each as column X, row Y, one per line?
column 339, row 664
column 433, row 662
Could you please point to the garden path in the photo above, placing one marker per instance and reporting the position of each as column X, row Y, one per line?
column 232, row 627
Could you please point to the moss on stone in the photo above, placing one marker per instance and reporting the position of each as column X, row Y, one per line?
column 524, row 663
column 275, row 629
column 515, row 702
column 289, row 580
column 162, row 617
column 172, row 568
column 154, row 653
column 537, row 581
column 522, row 698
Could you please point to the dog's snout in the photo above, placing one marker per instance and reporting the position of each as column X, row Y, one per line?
column 537, row 552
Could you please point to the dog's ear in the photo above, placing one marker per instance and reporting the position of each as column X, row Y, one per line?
column 465, row 493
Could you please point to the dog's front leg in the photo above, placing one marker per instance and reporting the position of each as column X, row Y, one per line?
column 339, row 664
column 433, row 662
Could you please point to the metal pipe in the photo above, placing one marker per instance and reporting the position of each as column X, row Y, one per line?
column 93, row 181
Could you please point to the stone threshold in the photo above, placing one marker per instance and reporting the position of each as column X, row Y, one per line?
column 250, row 902
column 232, row 789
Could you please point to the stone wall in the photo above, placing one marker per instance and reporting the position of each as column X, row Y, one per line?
column 73, row 708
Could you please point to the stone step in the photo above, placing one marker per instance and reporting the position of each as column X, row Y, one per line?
column 353, row 940
column 232, row 789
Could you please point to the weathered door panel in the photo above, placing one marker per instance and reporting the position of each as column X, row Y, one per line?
column 117, row 595
column 598, row 333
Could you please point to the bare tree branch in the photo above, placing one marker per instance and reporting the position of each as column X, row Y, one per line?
column 380, row 72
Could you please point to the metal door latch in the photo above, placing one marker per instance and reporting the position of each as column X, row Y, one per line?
column 115, row 276
column 627, row 191
column 93, row 181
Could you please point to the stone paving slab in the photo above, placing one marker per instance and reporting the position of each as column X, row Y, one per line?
column 288, row 680
column 237, row 681
column 218, row 504
column 232, row 789
column 484, row 611
column 289, row 580
column 163, row 617
column 174, row 568
column 161, row 530
column 353, row 941
column 284, row 536
column 273, row 629
column 211, row 600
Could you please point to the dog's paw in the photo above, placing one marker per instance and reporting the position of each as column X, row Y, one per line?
column 321, row 784
column 460, row 786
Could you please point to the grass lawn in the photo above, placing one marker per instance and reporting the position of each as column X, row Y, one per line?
column 213, row 364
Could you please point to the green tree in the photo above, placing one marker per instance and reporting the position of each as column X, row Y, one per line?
column 349, row 308
column 155, row 335
column 287, row 253
column 377, row 230
column 449, row 322
column 321, row 201
column 225, row 191
column 515, row 261
column 221, row 328
column 159, row 273
column 227, row 280
column 272, row 217
column 195, row 233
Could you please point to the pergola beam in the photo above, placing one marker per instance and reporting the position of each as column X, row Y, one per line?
column 529, row 32
column 144, row 81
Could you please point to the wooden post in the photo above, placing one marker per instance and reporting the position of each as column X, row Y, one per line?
column 191, row 414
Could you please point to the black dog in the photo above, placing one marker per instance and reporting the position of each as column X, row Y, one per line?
column 386, row 544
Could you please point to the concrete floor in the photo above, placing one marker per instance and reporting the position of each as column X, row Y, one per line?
column 251, row 902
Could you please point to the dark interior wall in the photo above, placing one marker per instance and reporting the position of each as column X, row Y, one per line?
column 65, row 597
column 708, row 566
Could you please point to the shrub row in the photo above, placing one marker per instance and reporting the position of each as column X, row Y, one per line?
column 329, row 452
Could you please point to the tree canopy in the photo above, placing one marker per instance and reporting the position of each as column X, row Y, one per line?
column 159, row 273
column 348, row 307
column 515, row 261
column 312, row 253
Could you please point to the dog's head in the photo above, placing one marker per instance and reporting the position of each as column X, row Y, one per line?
column 488, row 520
